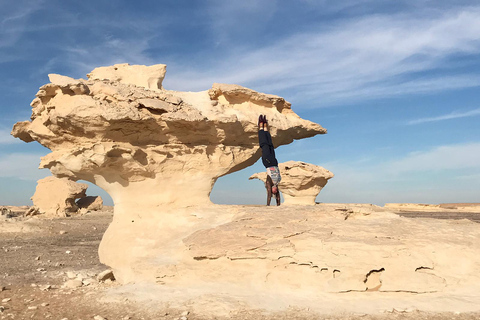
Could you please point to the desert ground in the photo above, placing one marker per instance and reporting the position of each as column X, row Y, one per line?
column 42, row 258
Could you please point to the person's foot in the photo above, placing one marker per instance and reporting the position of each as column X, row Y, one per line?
column 265, row 119
column 260, row 120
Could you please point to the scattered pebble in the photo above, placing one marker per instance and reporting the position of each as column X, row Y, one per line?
column 82, row 276
column 37, row 258
column 71, row 275
column 6, row 300
column 46, row 287
column 63, row 231
column 185, row 313
column 32, row 308
column 45, row 304
column 68, row 252
column 2, row 308
column 41, row 269
column 99, row 318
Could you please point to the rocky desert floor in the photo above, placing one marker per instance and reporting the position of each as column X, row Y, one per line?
column 49, row 270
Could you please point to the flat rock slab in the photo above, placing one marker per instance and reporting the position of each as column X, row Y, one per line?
column 353, row 257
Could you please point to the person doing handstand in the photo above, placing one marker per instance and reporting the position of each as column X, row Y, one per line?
column 269, row 160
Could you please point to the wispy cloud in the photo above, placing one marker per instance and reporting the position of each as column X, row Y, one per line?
column 441, row 174
column 23, row 166
column 14, row 19
column 448, row 157
column 452, row 115
column 6, row 138
column 370, row 56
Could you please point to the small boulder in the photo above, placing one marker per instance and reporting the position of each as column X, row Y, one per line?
column 301, row 182
column 106, row 275
column 90, row 203
column 56, row 196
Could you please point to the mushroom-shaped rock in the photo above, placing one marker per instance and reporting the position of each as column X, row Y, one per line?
column 56, row 197
column 151, row 149
column 301, row 182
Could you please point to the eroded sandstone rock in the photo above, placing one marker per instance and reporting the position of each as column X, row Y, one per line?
column 301, row 182
column 90, row 203
column 56, row 196
column 129, row 140
column 154, row 151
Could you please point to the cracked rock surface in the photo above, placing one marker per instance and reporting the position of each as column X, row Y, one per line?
column 331, row 249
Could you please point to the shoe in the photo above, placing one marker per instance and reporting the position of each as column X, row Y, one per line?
column 265, row 119
column 260, row 120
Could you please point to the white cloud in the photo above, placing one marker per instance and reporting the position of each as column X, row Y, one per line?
column 14, row 19
column 452, row 115
column 364, row 57
column 449, row 157
column 23, row 166
column 6, row 138
column 446, row 173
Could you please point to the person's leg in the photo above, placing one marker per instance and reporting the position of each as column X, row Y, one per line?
column 263, row 138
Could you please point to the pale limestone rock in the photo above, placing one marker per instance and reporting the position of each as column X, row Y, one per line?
column 280, row 257
column 106, row 275
column 301, row 182
column 150, row 77
column 93, row 203
column 56, row 196
column 154, row 151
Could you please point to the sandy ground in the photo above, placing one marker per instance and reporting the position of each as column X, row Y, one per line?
column 38, row 256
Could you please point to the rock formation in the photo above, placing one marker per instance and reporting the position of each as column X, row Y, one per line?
column 151, row 149
column 133, row 139
column 56, row 197
column 301, row 182
column 93, row 203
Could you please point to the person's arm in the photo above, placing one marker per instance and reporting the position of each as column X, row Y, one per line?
column 277, row 197
column 268, row 186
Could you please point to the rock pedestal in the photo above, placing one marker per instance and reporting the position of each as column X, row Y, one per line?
column 301, row 182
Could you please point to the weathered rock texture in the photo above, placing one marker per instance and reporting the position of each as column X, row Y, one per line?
column 90, row 203
column 301, row 182
column 56, row 197
column 151, row 149
column 359, row 258
column 133, row 142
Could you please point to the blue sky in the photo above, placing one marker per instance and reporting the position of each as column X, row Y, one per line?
column 396, row 83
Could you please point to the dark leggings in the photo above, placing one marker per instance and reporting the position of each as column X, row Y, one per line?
column 268, row 151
